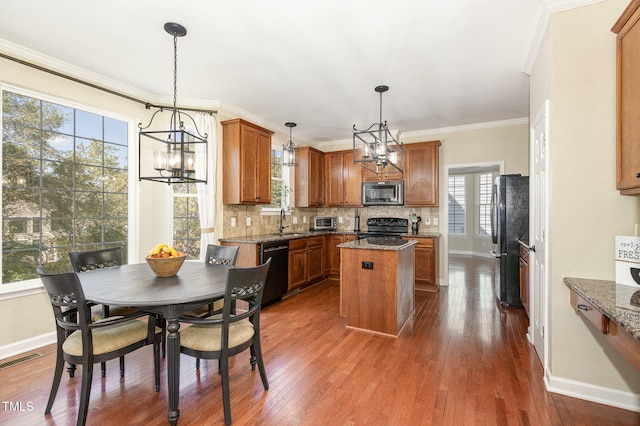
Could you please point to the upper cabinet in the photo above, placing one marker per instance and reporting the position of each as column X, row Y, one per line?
column 343, row 179
column 308, row 177
column 385, row 173
column 421, row 174
column 628, row 100
column 246, row 165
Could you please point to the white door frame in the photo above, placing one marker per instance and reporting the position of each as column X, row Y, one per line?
column 444, row 210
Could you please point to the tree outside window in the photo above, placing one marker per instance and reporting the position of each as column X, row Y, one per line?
column 64, row 186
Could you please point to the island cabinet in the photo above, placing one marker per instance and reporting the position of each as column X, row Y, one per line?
column 333, row 251
column 627, row 29
column 306, row 261
column 376, row 285
column 421, row 174
column 426, row 261
column 246, row 169
column 343, row 180
column 308, row 178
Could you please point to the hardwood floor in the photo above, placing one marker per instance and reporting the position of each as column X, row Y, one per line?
column 461, row 360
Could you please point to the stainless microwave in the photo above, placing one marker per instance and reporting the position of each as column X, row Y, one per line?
column 324, row 223
column 383, row 193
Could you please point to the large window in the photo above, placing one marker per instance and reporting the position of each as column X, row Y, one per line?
column 186, row 220
column 64, row 184
column 457, row 217
column 485, row 184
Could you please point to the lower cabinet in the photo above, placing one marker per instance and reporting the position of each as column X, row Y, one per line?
column 426, row 261
column 333, row 252
column 306, row 261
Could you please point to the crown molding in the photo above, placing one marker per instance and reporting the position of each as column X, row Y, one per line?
column 546, row 10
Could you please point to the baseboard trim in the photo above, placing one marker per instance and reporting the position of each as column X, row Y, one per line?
column 601, row 395
column 471, row 253
column 27, row 345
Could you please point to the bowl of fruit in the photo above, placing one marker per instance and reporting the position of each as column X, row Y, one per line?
column 165, row 261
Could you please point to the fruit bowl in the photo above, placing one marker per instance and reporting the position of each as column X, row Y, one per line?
column 165, row 266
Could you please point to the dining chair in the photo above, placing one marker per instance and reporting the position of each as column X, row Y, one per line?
column 224, row 335
column 92, row 260
column 92, row 342
column 216, row 255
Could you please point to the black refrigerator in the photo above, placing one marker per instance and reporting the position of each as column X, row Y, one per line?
column 509, row 222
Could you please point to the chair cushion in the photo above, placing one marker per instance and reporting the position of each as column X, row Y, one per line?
column 208, row 337
column 203, row 310
column 114, row 311
column 108, row 339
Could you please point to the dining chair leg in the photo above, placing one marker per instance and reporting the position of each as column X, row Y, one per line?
column 57, row 376
column 257, row 349
column 156, row 366
column 197, row 364
column 71, row 369
column 103, row 369
column 122, row 366
column 83, row 409
column 226, row 400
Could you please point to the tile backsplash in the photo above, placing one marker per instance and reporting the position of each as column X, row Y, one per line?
column 269, row 222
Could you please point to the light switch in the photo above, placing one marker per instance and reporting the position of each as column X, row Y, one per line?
column 304, row 219
column 295, row 220
column 427, row 220
column 435, row 221
column 248, row 221
column 234, row 221
column 340, row 219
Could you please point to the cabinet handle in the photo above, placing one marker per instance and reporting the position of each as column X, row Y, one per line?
column 583, row 307
column 638, row 175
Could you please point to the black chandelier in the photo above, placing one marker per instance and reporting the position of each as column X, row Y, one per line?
column 289, row 149
column 176, row 151
column 375, row 147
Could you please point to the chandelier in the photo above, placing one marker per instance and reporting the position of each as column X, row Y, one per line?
column 375, row 147
column 289, row 149
column 179, row 155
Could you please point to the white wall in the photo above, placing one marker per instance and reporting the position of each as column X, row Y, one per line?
column 575, row 68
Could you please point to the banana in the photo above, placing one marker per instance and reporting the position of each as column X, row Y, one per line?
column 157, row 249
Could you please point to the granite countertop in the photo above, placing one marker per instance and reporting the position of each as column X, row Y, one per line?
column 378, row 244
column 603, row 294
column 256, row 239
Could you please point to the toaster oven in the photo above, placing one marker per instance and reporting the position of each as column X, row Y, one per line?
column 324, row 223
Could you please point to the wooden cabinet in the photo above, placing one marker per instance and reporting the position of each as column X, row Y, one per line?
column 343, row 187
column 524, row 278
column 426, row 261
column 308, row 178
column 421, row 174
column 306, row 261
column 385, row 173
column 333, row 252
column 628, row 100
column 246, row 169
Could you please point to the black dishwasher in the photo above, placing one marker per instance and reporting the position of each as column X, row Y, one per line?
column 277, row 283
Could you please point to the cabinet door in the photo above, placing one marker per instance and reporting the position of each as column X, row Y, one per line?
column 334, row 188
column 297, row 268
column 628, row 97
column 334, row 253
column 308, row 178
column 316, row 182
column 385, row 173
column 352, row 181
column 421, row 174
column 315, row 262
column 263, row 169
column 425, row 267
column 248, row 163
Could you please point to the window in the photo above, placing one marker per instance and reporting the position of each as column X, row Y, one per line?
column 64, row 184
column 186, row 219
column 485, row 185
column 457, row 224
column 279, row 189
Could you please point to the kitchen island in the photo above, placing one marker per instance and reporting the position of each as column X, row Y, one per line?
column 377, row 283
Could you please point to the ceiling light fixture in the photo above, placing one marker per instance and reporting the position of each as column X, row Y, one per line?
column 375, row 147
column 290, row 149
column 174, row 150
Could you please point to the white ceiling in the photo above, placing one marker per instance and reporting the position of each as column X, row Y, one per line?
column 447, row 62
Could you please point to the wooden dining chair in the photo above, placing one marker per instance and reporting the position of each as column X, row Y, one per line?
column 94, row 260
column 215, row 256
column 224, row 335
column 81, row 341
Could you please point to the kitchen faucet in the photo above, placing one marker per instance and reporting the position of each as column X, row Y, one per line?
column 282, row 221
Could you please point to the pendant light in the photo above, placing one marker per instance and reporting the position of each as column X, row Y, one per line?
column 176, row 151
column 375, row 147
column 290, row 150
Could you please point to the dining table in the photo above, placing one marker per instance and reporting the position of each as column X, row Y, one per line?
column 135, row 285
